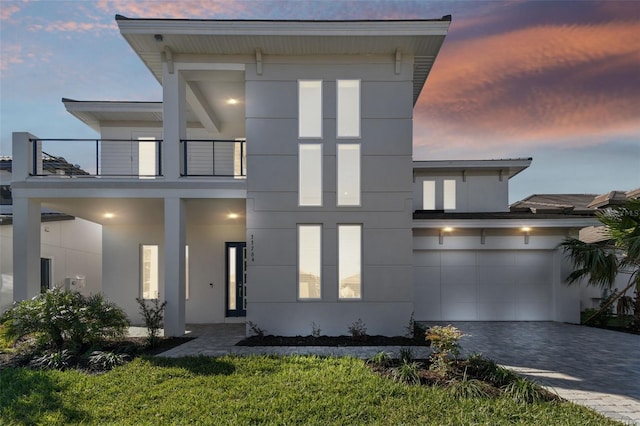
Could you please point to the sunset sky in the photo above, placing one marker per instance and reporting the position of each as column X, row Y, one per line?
column 558, row 81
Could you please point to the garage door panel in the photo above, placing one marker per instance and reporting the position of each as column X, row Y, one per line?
column 534, row 293
column 458, row 258
column 459, row 293
column 426, row 258
column 504, row 285
column 496, row 258
column 453, row 275
column 504, row 293
column 531, row 311
column 496, row 311
column 488, row 275
column 459, row 311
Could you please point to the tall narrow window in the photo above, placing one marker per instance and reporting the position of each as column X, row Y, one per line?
column 186, row 272
column 310, row 108
column 348, row 108
column 449, row 194
column 309, row 261
column 348, row 175
column 310, row 175
column 428, row 195
column 350, row 261
column 147, row 165
column 149, row 271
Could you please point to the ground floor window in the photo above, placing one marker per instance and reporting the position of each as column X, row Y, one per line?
column 309, row 261
column 350, row 261
column 149, row 271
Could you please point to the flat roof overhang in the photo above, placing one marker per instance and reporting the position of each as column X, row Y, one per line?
column 149, row 38
column 510, row 166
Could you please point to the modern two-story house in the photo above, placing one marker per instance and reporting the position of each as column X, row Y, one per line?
column 275, row 184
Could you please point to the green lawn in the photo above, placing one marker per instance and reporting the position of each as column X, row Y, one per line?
column 251, row 390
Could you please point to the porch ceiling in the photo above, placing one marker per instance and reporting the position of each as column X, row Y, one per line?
column 146, row 211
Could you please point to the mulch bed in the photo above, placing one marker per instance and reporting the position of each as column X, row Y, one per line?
column 132, row 346
column 331, row 341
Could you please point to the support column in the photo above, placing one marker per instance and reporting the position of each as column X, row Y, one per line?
column 174, row 266
column 26, row 248
column 174, row 121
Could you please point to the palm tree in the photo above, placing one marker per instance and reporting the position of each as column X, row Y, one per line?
column 600, row 263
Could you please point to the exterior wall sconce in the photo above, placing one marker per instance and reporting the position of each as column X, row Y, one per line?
column 232, row 215
column 526, row 231
column 441, row 235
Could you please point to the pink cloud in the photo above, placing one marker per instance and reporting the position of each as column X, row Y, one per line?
column 72, row 26
column 541, row 83
column 11, row 55
column 171, row 9
column 8, row 10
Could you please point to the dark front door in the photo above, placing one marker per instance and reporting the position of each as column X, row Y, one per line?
column 236, row 279
column 45, row 274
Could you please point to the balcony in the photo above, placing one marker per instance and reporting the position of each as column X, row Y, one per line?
column 134, row 159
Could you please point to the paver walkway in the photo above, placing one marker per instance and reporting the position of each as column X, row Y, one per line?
column 596, row 368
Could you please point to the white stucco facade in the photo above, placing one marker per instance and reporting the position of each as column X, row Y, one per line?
column 210, row 179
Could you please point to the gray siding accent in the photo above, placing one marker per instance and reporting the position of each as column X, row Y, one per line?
column 386, row 193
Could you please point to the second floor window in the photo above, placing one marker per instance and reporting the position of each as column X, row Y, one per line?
column 310, row 109
column 348, row 190
column 348, row 108
column 428, row 195
column 310, row 175
column 449, row 194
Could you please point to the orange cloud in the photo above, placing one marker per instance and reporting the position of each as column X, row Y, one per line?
column 537, row 84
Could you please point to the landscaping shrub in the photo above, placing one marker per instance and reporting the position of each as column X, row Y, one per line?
column 103, row 360
column 358, row 330
column 52, row 360
column 381, row 359
column 407, row 372
column 63, row 319
column 445, row 347
column 153, row 319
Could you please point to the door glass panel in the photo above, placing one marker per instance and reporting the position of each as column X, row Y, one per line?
column 232, row 278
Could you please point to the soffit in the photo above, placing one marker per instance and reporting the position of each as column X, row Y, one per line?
column 97, row 113
column 422, row 39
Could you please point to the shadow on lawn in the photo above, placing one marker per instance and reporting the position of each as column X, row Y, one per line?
column 201, row 365
column 28, row 396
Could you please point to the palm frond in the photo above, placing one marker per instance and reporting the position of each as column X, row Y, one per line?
column 598, row 265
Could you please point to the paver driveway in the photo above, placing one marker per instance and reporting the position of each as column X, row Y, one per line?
column 590, row 366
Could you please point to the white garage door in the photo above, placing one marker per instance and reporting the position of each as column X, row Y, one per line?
column 483, row 286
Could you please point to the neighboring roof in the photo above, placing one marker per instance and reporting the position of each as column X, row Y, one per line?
column 555, row 203
column 151, row 38
column 97, row 113
column 613, row 198
column 509, row 166
column 50, row 163
column 633, row 194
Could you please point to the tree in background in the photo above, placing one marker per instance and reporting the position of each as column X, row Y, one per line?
column 601, row 262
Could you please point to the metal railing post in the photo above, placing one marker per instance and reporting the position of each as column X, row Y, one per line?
column 97, row 157
column 34, row 148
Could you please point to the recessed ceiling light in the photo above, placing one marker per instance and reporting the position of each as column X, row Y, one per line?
column 232, row 215
column 108, row 215
column 232, row 101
